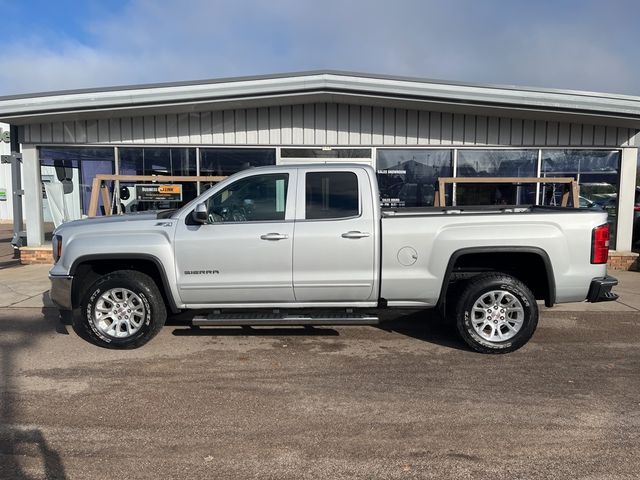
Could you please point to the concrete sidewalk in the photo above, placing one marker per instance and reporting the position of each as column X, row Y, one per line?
column 25, row 286
column 28, row 286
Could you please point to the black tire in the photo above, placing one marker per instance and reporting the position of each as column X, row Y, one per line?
column 140, row 284
column 483, row 284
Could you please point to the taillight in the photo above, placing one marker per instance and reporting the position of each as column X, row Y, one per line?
column 600, row 244
column 637, row 207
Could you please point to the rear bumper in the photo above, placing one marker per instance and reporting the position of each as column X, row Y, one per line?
column 600, row 289
column 60, row 291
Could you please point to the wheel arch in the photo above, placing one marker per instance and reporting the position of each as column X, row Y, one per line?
column 475, row 260
column 88, row 268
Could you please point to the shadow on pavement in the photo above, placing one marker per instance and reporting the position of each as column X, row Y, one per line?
column 427, row 326
column 424, row 325
column 65, row 318
column 19, row 441
column 9, row 263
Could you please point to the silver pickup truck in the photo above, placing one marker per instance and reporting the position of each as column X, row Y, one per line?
column 310, row 245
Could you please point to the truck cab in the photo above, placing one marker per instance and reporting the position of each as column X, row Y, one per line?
column 290, row 236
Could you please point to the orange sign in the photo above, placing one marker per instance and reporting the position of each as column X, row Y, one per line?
column 153, row 192
column 169, row 188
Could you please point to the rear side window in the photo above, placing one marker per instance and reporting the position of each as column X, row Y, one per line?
column 331, row 195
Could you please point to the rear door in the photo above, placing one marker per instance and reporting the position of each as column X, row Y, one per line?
column 334, row 249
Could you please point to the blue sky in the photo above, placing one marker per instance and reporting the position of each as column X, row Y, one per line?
column 63, row 44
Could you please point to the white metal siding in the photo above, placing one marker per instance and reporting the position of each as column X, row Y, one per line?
column 328, row 124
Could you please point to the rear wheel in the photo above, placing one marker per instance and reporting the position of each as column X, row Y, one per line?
column 123, row 309
column 496, row 313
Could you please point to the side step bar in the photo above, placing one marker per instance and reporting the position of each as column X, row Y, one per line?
column 277, row 319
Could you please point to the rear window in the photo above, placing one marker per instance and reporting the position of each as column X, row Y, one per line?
column 331, row 195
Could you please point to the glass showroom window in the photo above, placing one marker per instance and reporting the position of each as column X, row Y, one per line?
column 408, row 177
column 496, row 163
column 67, row 174
column 227, row 161
column 328, row 153
column 597, row 173
column 155, row 161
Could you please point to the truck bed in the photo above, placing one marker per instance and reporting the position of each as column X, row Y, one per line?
column 418, row 245
column 480, row 210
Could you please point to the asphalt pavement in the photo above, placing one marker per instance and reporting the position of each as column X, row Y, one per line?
column 405, row 401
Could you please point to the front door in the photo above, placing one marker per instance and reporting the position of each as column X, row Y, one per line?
column 334, row 249
column 244, row 253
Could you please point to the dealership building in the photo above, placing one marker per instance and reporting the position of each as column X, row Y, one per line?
column 412, row 131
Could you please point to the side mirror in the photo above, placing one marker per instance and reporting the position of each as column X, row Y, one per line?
column 200, row 214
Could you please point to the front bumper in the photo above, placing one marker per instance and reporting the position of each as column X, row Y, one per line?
column 600, row 289
column 60, row 291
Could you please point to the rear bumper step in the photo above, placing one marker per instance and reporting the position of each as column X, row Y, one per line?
column 275, row 319
column 600, row 289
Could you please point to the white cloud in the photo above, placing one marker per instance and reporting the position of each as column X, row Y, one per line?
column 553, row 45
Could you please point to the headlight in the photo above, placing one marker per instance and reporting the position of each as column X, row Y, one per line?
column 56, row 246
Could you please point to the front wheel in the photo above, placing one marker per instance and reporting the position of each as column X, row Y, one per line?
column 123, row 309
column 496, row 313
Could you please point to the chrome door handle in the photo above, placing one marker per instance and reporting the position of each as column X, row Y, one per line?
column 274, row 236
column 355, row 234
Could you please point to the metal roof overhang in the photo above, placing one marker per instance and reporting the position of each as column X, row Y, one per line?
column 310, row 87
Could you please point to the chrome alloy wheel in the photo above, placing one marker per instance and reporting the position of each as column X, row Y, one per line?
column 497, row 315
column 119, row 313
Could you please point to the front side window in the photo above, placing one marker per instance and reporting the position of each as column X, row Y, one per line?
column 331, row 195
column 257, row 198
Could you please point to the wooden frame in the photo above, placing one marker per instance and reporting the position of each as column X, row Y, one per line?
column 98, row 187
column 440, row 201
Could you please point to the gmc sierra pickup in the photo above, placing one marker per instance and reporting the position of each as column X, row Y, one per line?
column 309, row 245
